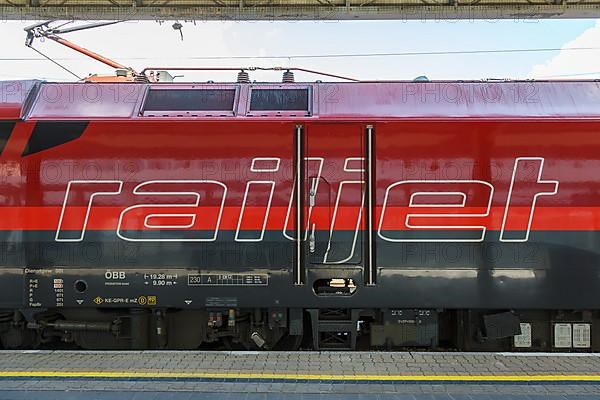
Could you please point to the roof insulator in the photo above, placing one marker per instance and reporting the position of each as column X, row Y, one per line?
column 421, row 78
column 243, row 77
column 288, row 77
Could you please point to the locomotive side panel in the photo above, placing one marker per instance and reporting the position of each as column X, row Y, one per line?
column 489, row 214
column 172, row 202
column 124, row 208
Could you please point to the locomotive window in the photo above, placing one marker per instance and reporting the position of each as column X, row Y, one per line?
column 279, row 100
column 190, row 100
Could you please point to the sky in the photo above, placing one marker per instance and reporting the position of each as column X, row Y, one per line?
column 147, row 43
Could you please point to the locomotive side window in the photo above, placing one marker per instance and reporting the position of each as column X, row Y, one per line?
column 190, row 100
column 279, row 100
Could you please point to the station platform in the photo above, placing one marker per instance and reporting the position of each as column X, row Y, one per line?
column 297, row 375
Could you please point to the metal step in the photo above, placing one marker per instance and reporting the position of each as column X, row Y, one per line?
column 334, row 329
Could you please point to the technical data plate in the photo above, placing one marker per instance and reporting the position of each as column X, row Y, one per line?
column 524, row 339
column 228, row 279
column 582, row 334
column 62, row 287
column 563, row 338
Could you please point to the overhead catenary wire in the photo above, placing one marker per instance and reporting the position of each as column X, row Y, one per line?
column 340, row 55
column 569, row 75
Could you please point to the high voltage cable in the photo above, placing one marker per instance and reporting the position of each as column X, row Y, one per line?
column 568, row 75
column 348, row 55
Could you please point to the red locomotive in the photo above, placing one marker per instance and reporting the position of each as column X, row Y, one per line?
column 324, row 215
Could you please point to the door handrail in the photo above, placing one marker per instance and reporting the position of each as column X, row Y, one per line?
column 299, row 197
column 370, row 268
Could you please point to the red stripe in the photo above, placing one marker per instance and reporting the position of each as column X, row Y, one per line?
column 15, row 145
column 106, row 218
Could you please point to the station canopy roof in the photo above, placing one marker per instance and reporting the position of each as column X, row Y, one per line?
column 298, row 9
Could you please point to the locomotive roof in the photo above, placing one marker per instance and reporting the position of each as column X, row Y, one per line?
column 34, row 99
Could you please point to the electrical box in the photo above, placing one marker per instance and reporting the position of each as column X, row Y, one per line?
column 406, row 328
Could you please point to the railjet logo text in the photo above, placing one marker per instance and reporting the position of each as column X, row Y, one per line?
column 410, row 211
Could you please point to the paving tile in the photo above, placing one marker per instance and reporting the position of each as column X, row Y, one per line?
column 310, row 363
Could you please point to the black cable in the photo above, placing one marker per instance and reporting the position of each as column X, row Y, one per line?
column 60, row 65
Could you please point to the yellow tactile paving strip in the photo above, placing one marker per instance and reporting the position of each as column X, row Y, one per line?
column 310, row 377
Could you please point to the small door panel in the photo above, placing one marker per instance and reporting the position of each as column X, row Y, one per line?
column 336, row 198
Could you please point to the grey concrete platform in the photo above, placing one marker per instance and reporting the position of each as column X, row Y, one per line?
column 297, row 375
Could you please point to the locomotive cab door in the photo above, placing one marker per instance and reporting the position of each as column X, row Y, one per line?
column 335, row 194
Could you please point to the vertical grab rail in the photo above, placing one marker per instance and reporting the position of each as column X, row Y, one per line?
column 370, row 268
column 299, row 197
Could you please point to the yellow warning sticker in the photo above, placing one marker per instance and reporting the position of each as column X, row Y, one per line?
column 151, row 300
